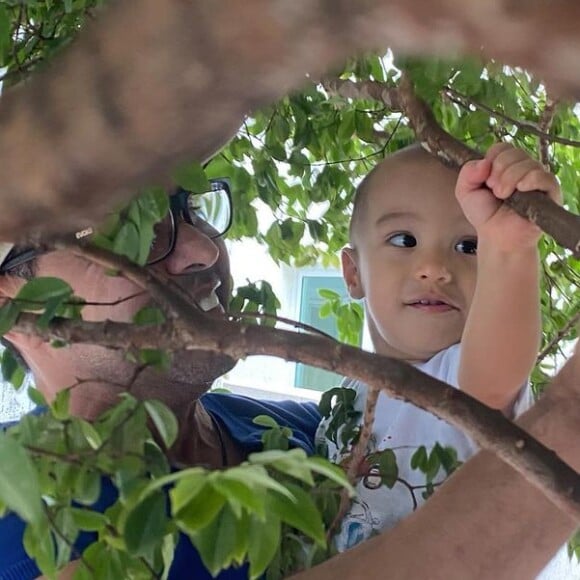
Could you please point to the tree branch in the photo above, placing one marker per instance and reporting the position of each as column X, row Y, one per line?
column 89, row 147
column 563, row 226
column 488, row 427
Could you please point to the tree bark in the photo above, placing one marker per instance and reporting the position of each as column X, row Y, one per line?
column 152, row 83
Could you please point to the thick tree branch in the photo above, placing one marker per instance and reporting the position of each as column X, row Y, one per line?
column 488, row 427
column 563, row 226
column 151, row 83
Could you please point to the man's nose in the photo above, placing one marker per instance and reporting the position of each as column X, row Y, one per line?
column 194, row 251
column 433, row 266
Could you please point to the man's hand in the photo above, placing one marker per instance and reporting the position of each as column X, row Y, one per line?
column 483, row 184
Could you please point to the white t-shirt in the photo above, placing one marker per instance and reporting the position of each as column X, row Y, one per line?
column 403, row 428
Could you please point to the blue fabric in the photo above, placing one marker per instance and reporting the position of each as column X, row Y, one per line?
column 234, row 413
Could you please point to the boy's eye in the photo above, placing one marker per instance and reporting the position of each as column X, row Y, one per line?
column 402, row 240
column 468, row 246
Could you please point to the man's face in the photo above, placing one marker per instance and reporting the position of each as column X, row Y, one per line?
column 413, row 261
column 198, row 263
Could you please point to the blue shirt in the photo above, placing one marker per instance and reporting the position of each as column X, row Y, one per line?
column 234, row 413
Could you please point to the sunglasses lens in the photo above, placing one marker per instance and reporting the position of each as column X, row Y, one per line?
column 212, row 207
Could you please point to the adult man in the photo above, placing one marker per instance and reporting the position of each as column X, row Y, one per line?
column 189, row 250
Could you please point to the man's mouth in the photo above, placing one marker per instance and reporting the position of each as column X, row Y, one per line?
column 206, row 297
column 209, row 302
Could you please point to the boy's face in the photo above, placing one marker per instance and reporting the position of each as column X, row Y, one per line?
column 414, row 260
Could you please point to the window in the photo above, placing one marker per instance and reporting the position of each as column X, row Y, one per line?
column 310, row 302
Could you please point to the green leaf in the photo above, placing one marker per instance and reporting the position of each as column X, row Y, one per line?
column 146, row 525
column 168, row 554
column 419, row 459
column 264, row 541
column 432, row 466
column 191, row 177
column 387, row 462
column 164, row 421
column 90, row 433
column 200, row 510
column 11, row 369
column 50, row 311
column 4, row 33
column 89, row 520
column 39, row 545
column 328, row 294
column 149, row 315
column 19, row 487
column 256, row 476
column 127, row 241
column 60, row 405
column 156, row 358
column 240, row 495
column 8, row 316
column 216, row 543
column 265, row 421
column 87, row 487
column 293, row 463
column 330, row 471
column 154, row 203
column 36, row 292
column 300, row 513
column 37, row 397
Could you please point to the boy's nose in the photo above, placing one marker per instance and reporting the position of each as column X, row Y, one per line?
column 433, row 268
column 194, row 251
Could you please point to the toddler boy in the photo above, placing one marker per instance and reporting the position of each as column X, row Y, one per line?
column 450, row 284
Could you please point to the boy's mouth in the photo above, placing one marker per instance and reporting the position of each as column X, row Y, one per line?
column 434, row 305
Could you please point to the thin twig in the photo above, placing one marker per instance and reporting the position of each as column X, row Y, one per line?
column 527, row 126
column 282, row 319
column 546, row 119
column 357, row 456
column 558, row 337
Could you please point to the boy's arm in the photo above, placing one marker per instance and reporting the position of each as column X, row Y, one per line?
column 502, row 333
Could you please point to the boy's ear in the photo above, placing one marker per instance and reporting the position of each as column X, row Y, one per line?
column 350, row 273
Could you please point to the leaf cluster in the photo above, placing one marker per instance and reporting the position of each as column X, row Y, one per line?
column 256, row 298
column 349, row 316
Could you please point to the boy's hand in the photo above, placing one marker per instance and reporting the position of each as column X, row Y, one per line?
column 483, row 184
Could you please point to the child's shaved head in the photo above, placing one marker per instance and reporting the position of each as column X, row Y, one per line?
column 411, row 154
column 411, row 244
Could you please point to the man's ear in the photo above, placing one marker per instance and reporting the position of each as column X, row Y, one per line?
column 350, row 273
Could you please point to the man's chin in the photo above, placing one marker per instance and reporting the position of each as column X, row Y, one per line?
column 199, row 367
